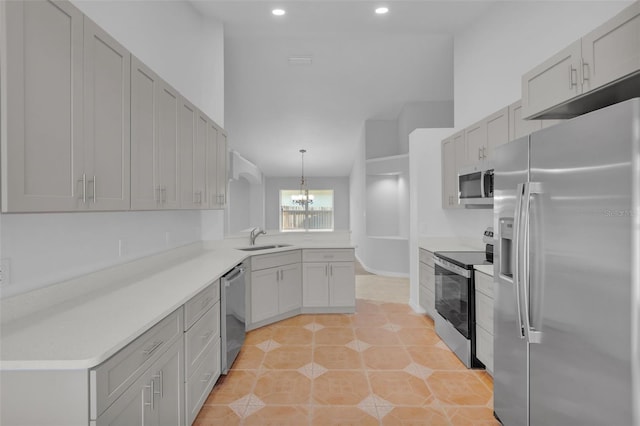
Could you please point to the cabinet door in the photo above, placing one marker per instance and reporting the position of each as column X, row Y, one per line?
column 264, row 294
column 497, row 125
column 290, row 288
column 169, row 387
column 475, row 140
column 168, row 146
column 315, row 282
column 342, row 284
column 212, row 164
column 448, row 164
column 519, row 127
column 193, row 144
column 42, row 62
column 552, row 82
column 145, row 188
column 612, row 50
column 107, row 101
column 221, row 169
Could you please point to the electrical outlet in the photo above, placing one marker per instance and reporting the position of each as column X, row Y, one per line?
column 5, row 272
column 122, row 248
column 167, row 238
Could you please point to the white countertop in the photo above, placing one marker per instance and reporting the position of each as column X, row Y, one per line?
column 455, row 244
column 81, row 323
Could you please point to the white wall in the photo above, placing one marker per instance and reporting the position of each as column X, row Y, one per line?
column 340, row 186
column 383, row 216
column 239, row 206
column 187, row 51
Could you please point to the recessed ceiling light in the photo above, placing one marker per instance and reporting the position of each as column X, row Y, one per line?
column 382, row 10
column 278, row 12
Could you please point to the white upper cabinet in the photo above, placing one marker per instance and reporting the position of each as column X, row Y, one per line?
column 107, row 78
column 193, row 143
column 217, row 167
column 612, row 50
column 67, row 91
column 43, row 151
column 607, row 54
column 552, row 82
column 154, row 141
column 497, row 127
column 475, row 138
column 519, row 127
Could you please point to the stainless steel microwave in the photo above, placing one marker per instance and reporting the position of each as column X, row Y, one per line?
column 475, row 186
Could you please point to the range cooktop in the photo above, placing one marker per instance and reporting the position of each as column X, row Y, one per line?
column 464, row 259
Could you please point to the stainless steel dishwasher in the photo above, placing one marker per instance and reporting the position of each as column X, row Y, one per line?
column 232, row 324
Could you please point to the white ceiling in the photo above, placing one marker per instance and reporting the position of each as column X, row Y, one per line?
column 364, row 66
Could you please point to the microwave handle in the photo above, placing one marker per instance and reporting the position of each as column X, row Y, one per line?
column 483, row 194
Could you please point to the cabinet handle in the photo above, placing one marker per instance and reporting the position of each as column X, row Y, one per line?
column 156, row 194
column 585, row 71
column 93, row 183
column 151, row 349
column 572, row 71
column 484, row 152
column 282, row 275
column 207, row 378
column 152, row 392
column 84, row 188
column 331, row 270
column 163, row 191
column 205, row 302
column 160, row 377
column 326, row 270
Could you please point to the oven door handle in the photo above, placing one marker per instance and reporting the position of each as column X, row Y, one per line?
column 451, row 267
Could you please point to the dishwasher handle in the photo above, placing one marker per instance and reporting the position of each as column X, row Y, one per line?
column 234, row 274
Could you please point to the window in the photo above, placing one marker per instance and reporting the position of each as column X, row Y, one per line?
column 298, row 215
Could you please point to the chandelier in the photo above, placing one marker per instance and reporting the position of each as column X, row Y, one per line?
column 303, row 198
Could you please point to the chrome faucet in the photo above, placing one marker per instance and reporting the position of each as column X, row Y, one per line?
column 255, row 232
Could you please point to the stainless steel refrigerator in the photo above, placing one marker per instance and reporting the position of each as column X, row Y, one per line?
column 567, row 273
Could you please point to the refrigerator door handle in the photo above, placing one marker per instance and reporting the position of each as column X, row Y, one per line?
column 533, row 335
column 517, row 237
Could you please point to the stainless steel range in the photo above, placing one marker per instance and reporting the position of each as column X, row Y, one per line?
column 455, row 301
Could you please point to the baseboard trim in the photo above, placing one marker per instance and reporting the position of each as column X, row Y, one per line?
column 379, row 272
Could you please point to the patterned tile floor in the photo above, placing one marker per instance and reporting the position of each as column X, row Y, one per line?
column 383, row 365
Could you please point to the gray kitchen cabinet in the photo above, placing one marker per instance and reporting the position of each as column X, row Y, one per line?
column 518, row 127
column 484, row 319
column 154, row 141
column 453, row 157
column 427, row 285
column 264, row 294
column 475, row 139
column 67, row 115
column 612, row 50
column 156, row 398
column 107, row 136
column 484, row 136
column 328, row 277
column 553, row 82
column 43, row 64
column 606, row 54
column 276, row 287
column 202, row 348
column 217, row 166
column 497, row 128
column 193, row 160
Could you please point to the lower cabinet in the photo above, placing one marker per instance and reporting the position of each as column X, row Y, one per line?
column 328, row 284
column 426, row 278
column 202, row 351
column 276, row 285
column 484, row 319
column 155, row 398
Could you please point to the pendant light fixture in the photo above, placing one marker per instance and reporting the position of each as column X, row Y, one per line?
column 303, row 198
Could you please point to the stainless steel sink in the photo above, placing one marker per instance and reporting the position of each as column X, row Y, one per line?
column 271, row 246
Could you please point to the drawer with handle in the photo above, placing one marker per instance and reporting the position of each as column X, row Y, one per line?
column 328, row 255
column 199, row 338
column 272, row 260
column 200, row 303
column 111, row 378
column 200, row 384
